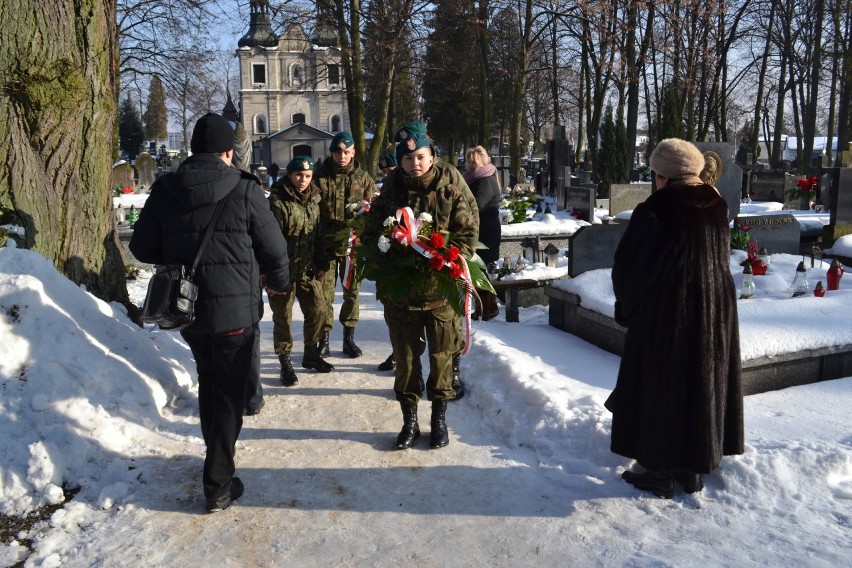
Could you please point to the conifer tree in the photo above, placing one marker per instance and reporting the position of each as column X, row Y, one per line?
column 156, row 115
column 130, row 131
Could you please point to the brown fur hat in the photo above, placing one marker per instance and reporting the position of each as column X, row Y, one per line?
column 674, row 158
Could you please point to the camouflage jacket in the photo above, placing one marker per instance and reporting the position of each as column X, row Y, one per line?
column 338, row 188
column 298, row 216
column 432, row 193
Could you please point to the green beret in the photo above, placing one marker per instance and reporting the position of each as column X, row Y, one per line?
column 409, row 128
column 387, row 160
column 300, row 164
column 411, row 142
column 341, row 141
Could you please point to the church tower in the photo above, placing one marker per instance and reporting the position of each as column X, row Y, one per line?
column 292, row 91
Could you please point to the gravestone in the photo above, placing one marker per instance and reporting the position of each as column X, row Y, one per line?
column 778, row 233
column 146, row 165
column 593, row 247
column 841, row 204
column 626, row 196
column 581, row 199
column 123, row 176
column 560, row 154
column 562, row 184
column 731, row 181
column 768, row 186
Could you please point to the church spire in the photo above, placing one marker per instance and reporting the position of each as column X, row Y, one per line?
column 260, row 30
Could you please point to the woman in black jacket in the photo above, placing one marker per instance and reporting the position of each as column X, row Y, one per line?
column 482, row 179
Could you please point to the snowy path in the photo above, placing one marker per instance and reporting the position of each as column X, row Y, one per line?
column 527, row 480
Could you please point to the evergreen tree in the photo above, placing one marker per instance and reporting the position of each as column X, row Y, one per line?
column 130, row 131
column 623, row 153
column 607, row 164
column 670, row 114
column 450, row 88
column 156, row 115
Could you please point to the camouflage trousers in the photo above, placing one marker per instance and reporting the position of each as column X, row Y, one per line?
column 411, row 333
column 349, row 310
column 312, row 303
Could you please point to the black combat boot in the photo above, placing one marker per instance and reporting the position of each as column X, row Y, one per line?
column 349, row 347
column 410, row 429
column 388, row 364
column 312, row 360
column 288, row 375
column 439, row 438
column 458, row 384
column 323, row 345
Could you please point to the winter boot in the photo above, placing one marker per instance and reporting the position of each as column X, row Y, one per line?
column 458, row 384
column 312, row 360
column 689, row 480
column 349, row 347
column 439, row 437
column 657, row 482
column 388, row 364
column 288, row 375
column 410, row 429
column 323, row 345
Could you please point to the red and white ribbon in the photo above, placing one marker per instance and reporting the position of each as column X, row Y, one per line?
column 349, row 271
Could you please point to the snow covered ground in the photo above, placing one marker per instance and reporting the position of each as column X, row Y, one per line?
column 91, row 401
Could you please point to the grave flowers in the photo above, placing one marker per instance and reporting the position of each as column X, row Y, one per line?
column 805, row 189
column 410, row 255
column 518, row 200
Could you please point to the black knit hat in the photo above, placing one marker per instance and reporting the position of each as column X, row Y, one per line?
column 212, row 135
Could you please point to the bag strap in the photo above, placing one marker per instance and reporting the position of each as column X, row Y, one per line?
column 207, row 233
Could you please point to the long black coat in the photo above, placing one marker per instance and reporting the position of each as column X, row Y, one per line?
column 245, row 241
column 678, row 402
column 487, row 192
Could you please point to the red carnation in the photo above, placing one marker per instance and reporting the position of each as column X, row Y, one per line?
column 437, row 262
column 436, row 240
column 453, row 254
column 455, row 270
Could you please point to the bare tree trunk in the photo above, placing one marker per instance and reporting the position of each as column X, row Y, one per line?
column 485, row 75
column 810, row 104
column 58, row 109
column 758, row 103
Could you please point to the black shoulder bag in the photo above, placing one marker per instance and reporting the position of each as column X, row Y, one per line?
column 170, row 301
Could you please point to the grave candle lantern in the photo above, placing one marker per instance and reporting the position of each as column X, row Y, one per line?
column 834, row 274
column 530, row 246
column 799, row 285
column 819, row 291
column 748, row 282
column 763, row 255
column 552, row 253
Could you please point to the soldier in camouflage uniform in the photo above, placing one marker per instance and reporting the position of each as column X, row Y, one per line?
column 423, row 313
column 295, row 204
column 342, row 185
column 455, row 178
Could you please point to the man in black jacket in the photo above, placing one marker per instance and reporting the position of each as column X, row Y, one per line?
column 245, row 243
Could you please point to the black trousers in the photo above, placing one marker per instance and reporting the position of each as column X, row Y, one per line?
column 224, row 365
column 254, row 392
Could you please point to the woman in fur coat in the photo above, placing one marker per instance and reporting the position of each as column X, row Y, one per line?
column 678, row 404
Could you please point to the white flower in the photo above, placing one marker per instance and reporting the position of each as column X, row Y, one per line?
column 425, row 217
column 504, row 203
column 384, row 243
column 354, row 206
column 389, row 222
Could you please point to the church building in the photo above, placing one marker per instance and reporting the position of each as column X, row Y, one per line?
column 292, row 90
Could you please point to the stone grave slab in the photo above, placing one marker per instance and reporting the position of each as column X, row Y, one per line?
column 778, row 233
column 123, row 176
column 626, row 196
column 593, row 247
column 841, row 208
column 146, row 166
column 581, row 199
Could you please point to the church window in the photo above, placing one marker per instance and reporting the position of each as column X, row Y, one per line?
column 333, row 74
column 258, row 74
column 297, row 74
column 335, row 123
column 260, row 124
column 298, row 117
